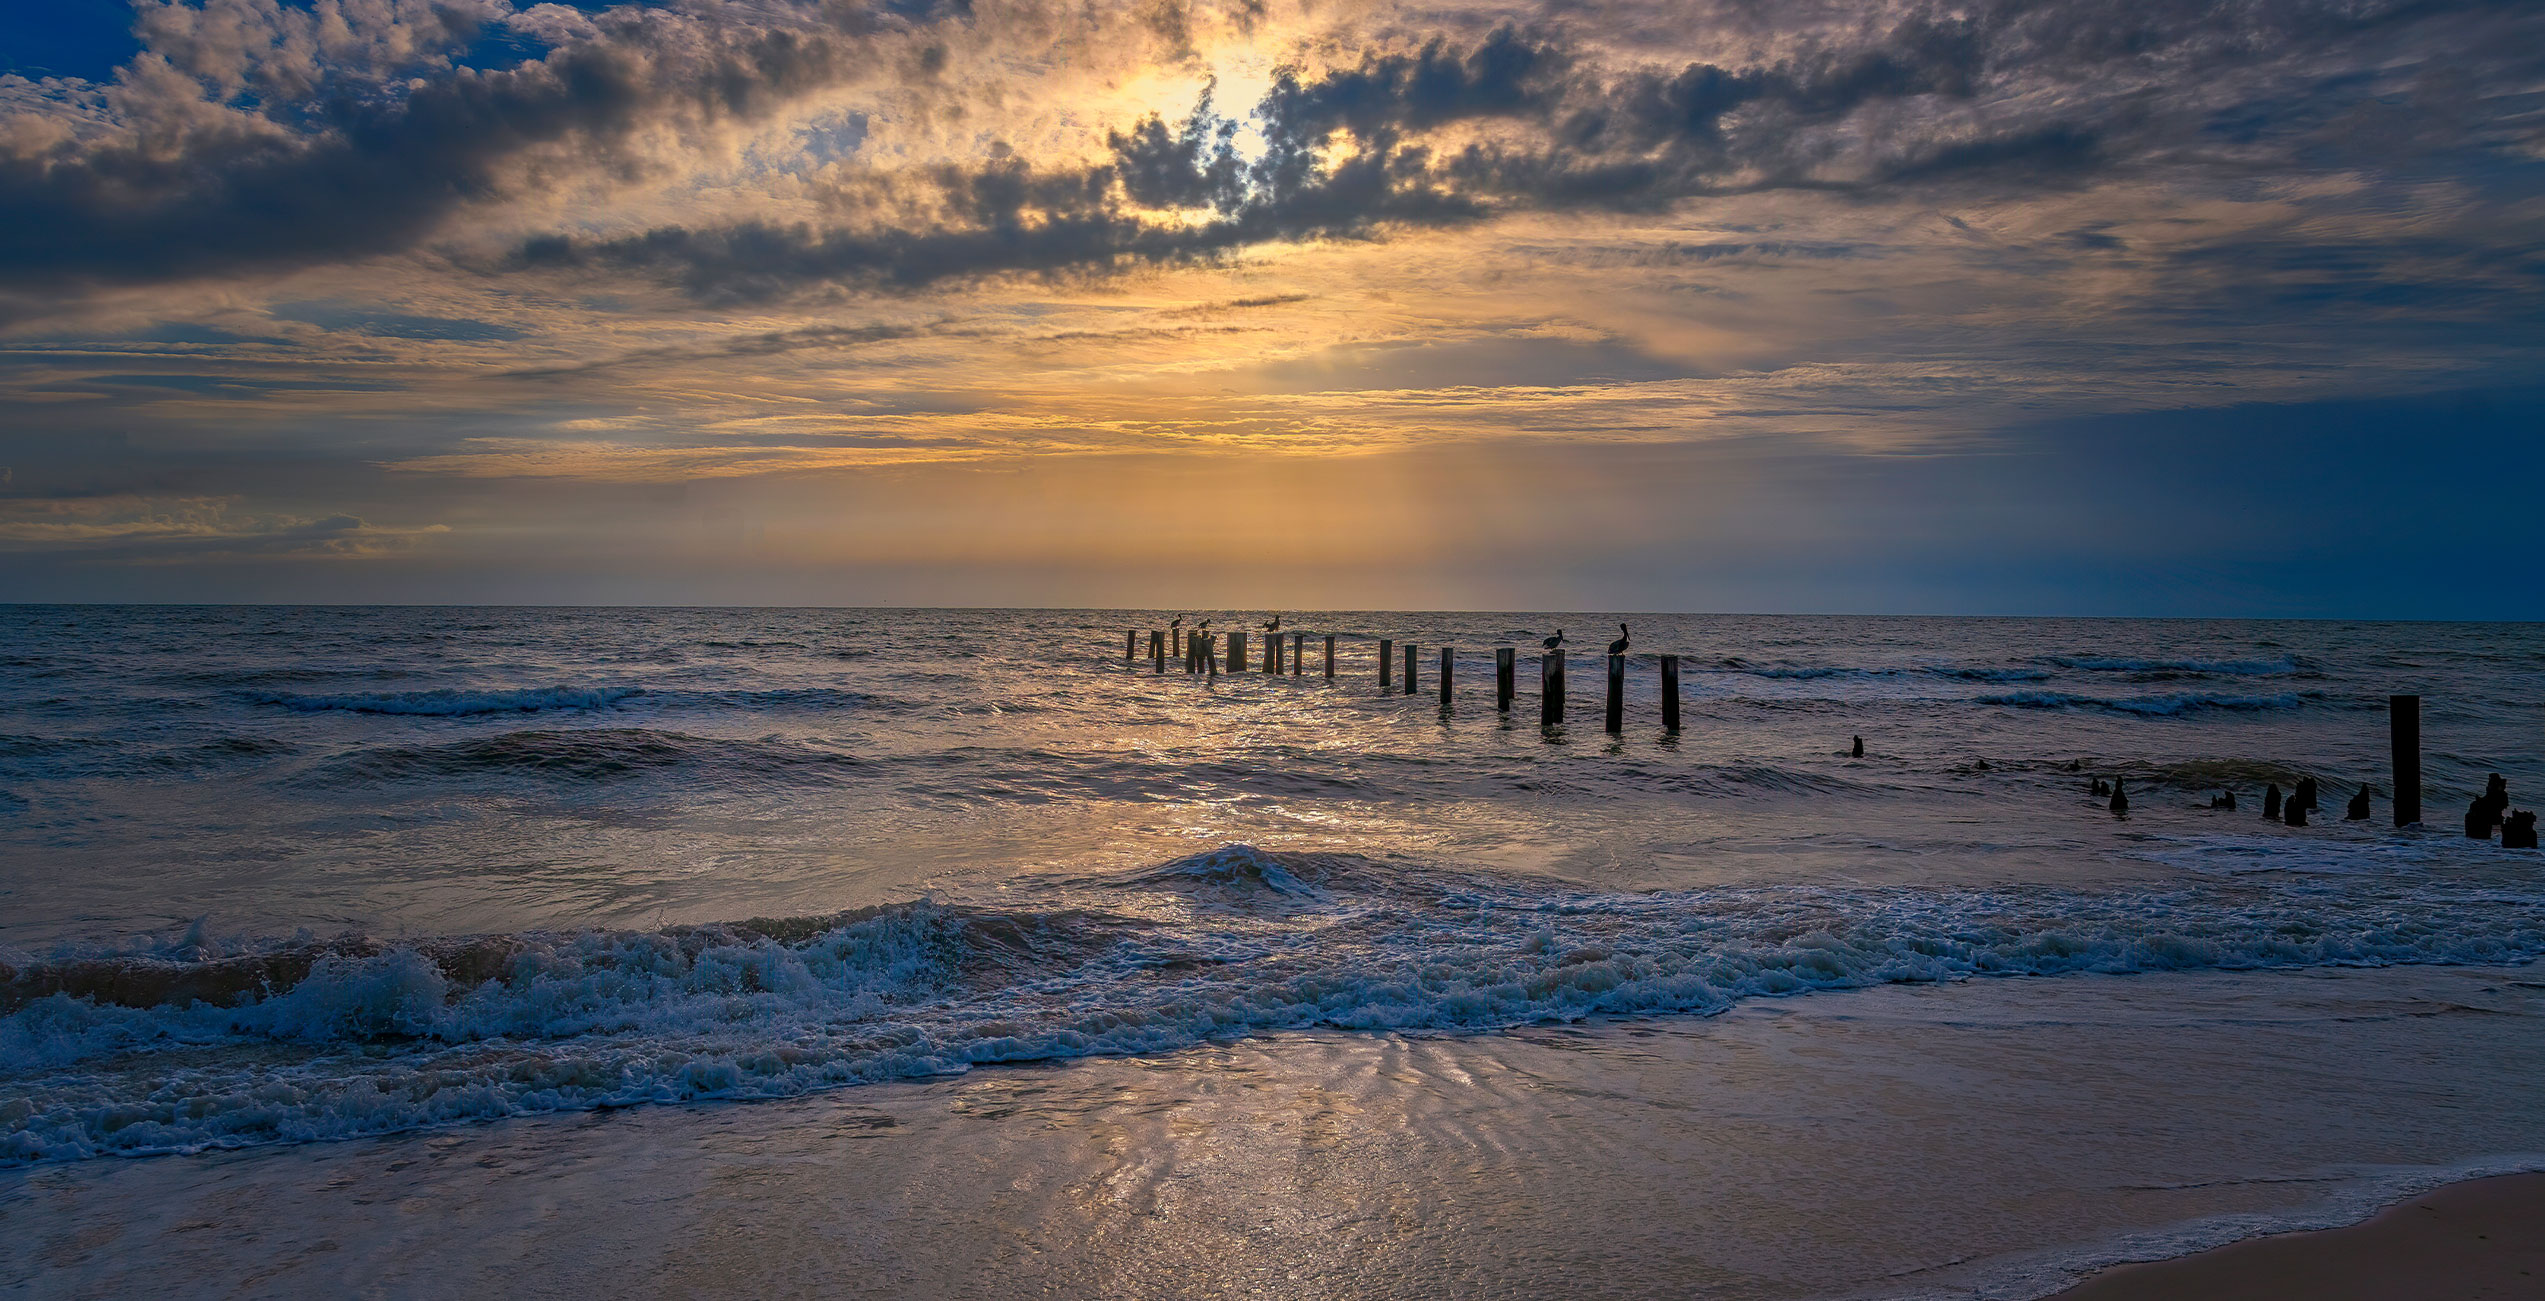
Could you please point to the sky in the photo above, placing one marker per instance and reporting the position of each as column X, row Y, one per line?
column 2016, row 306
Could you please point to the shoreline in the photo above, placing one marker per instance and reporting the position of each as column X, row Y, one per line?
column 2472, row 1240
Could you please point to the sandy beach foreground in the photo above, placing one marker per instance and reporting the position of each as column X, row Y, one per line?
column 1994, row 1140
column 2473, row 1241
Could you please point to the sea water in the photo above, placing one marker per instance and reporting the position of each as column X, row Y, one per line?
column 270, row 876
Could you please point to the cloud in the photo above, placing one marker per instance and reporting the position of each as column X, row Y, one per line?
column 126, row 528
column 2008, row 99
column 234, row 146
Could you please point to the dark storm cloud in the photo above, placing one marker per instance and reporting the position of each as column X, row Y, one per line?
column 2014, row 98
column 356, row 170
column 274, row 166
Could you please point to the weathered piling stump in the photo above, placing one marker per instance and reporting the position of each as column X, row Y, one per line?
column 1387, row 664
column 1130, row 645
column 1551, row 688
column 1210, row 653
column 2357, row 809
column 1157, row 651
column 1329, row 657
column 1272, row 653
column 1505, row 663
column 1615, row 720
column 2271, row 802
column 2120, row 802
column 1445, row 661
column 2403, row 734
column 2518, row 830
column 1237, row 652
column 2294, row 812
column 2304, row 796
column 1670, row 694
column 1857, row 751
column 2100, row 787
column 1409, row 668
column 1298, row 645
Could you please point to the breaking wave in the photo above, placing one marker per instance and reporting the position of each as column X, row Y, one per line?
column 2166, row 706
column 198, row 1047
column 585, row 754
column 2284, row 666
column 450, row 702
column 1962, row 674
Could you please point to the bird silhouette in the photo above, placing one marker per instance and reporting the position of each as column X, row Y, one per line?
column 1618, row 647
column 1205, row 623
column 1273, row 624
column 1552, row 642
column 1179, row 622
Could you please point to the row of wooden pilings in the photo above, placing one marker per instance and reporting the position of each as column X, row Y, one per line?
column 1200, row 653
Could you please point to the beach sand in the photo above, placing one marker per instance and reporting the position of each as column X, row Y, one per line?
column 1996, row 1138
column 2473, row 1241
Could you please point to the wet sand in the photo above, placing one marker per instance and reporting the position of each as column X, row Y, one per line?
column 1989, row 1139
column 2473, row 1241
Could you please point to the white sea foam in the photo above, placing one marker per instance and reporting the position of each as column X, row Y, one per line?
column 368, row 1042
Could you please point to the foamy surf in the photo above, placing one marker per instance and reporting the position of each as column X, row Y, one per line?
column 187, row 1048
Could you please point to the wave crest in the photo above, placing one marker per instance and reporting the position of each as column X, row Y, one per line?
column 253, row 1048
column 452, row 702
column 2167, row 706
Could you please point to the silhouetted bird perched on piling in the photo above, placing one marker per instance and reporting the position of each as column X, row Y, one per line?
column 1552, row 642
column 2357, row 811
column 2271, row 803
column 1273, row 624
column 2485, row 813
column 1859, row 751
column 2120, row 798
column 1618, row 647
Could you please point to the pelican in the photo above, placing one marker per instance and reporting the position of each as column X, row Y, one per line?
column 1273, row 624
column 1618, row 647
column 1552, row 642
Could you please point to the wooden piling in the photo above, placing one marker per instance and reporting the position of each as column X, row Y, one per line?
column 2403, row 734
column 1409, row 668
column 1387, row 663
column 1157, row 651
column 1504, row 660
column 1272, row 653
column 1616, row 694
column 1237, row 652
column 1130, row 645
column 1329, row 657
column 1670, row 694
column 1298, row 652
column 1444, row 676
column 1551, row 688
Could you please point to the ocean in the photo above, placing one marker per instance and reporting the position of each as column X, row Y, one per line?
column 296, row 895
